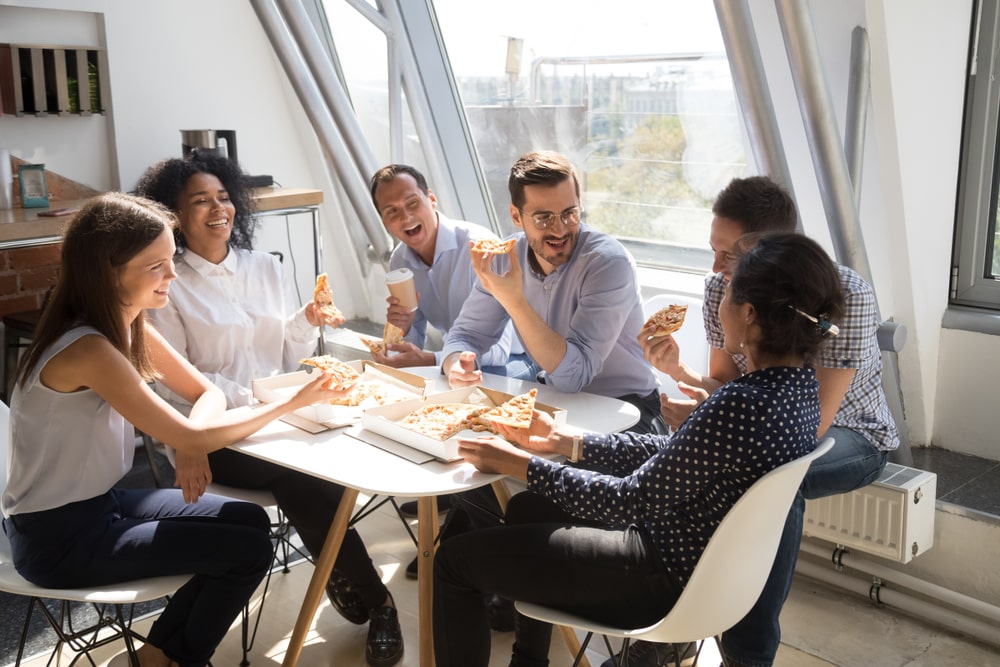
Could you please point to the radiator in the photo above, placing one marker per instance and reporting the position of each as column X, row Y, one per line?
column 893, row 517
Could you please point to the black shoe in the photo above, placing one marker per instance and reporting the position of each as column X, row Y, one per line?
column 411, row 569
column 409, row 510
column 345, row 600
column 385, row 638
column 649, row 654
column 501, row 613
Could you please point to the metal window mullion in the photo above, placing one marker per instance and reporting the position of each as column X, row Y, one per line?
column 62, row 83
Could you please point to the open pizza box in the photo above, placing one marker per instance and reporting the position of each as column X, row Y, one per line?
column 383, row 420
column 384, row 383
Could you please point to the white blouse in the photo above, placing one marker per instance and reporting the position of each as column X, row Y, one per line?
column 235, row 321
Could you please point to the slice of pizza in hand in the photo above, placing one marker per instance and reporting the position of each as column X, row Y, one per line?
column 323, row 298
column 374, row 345
column 492, row 246
column 515, row 413
column 342, row 376
column 665, row 321
column 391, row 333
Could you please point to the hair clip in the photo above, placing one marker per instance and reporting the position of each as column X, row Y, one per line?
column 826, row 327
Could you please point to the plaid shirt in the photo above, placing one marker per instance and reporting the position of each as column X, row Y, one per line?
column 864, row 408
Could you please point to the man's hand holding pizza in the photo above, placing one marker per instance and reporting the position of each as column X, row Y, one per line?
column 406, row 355
column 508, row 288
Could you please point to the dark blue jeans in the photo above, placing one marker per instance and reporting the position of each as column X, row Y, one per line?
column 852, row 463
column 135, row 533
column 543, row 555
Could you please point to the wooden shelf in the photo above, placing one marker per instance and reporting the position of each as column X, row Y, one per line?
column 23, row 226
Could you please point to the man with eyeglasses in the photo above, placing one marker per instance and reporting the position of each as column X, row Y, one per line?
column 571, row 292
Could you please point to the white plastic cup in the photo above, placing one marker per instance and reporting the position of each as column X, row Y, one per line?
column 400, row 284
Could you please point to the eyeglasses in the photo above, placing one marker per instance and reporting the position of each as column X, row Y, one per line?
column 570, row 217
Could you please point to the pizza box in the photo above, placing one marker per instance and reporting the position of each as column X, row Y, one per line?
column 382, row 419
column 321, row 416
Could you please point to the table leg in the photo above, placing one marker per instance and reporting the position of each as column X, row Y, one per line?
column 569, row 636
column 427, row 527
column 321, row 575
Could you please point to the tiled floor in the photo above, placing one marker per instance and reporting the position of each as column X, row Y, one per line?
column 969, row 481
column 821, row 626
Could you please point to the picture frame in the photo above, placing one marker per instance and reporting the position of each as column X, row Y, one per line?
column 34, row 192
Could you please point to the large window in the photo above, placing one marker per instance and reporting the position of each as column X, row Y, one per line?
column 976, row 276
column 641, row 101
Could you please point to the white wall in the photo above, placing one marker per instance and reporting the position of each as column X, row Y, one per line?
column 185, row 64
column 910, row 164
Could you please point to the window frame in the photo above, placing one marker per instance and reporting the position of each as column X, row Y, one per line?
column 972, row 282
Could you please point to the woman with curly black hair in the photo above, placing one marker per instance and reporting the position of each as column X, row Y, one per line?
column 233, row 314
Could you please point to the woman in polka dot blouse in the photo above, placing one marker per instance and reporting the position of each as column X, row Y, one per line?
column 615, row 533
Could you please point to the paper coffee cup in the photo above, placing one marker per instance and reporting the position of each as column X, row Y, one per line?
column 400, row 284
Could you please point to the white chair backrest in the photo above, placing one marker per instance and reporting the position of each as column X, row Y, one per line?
column 4, row 443
column 690, row 339
column 732, row 570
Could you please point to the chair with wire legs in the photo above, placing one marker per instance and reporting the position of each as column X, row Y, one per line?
column 113, row 604
column 729, row 575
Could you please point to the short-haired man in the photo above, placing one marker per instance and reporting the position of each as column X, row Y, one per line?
column 570, row 291
column 436, row 249
column 853, row 408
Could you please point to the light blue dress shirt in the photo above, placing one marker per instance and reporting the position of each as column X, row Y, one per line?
column 593, row 301
column 445, row 286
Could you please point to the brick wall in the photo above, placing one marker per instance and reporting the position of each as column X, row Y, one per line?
column 25, row 275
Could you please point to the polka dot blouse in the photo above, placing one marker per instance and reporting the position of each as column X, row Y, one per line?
column 678, row 488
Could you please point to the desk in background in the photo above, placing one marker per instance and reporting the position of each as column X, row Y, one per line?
column 23, row 227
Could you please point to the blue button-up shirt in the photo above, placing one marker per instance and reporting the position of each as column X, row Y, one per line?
column 593, row 301
column 445, row 286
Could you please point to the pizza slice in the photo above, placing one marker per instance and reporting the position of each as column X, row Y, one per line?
column 441, row 420
column 323, row 298
column 492, row 246
column 374, row 345
column 665, row 321
column 516, row 412
column 343, row 376
column 391, row 333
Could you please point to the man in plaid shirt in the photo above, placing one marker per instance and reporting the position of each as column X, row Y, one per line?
column 853, row 406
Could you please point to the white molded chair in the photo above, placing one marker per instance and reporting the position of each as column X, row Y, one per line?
column 730, row 574
column 108, row 601
column 690, row 339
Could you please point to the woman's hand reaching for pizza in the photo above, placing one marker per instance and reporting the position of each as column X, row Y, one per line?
column 492, row 455
column 317, row 390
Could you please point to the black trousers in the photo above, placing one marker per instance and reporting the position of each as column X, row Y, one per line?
column 543, row 555
column 310, row 504
column 135, row 533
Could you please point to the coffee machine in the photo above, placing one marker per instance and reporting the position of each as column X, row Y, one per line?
column 221, row 142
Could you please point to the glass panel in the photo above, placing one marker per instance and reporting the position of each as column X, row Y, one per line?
column 640, row 99
column 362, row 51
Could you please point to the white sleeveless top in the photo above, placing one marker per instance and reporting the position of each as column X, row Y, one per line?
column 64, row 447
